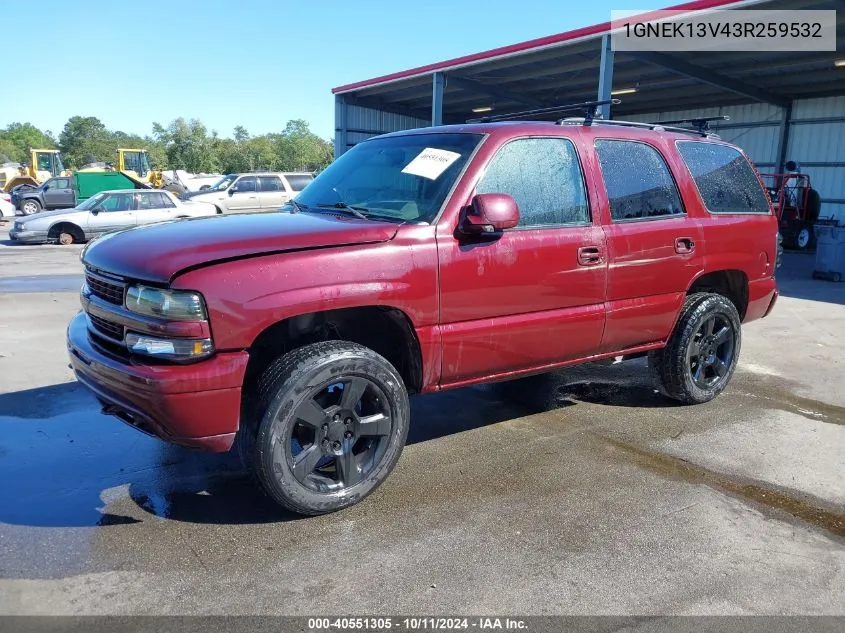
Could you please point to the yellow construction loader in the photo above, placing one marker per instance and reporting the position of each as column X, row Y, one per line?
column 43, row 164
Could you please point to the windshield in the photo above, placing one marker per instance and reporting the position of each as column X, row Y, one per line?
column 60, row 167
column 404, row 177
column 92, row 202
column 223, row 183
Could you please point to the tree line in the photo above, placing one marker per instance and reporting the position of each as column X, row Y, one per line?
column 183, row 144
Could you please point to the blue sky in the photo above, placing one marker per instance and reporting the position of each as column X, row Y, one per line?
column 256, row 63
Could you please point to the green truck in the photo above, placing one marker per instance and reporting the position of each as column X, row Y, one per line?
column 64, row 192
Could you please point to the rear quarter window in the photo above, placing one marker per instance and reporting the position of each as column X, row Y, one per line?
column 725, row 179
column 298, row 182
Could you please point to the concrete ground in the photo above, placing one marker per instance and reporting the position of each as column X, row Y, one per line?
column 617, row 502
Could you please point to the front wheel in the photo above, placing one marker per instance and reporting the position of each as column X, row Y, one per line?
column 28, row 207
column 702, row 352
column 326, row 426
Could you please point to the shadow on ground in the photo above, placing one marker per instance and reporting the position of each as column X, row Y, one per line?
column 795, row 279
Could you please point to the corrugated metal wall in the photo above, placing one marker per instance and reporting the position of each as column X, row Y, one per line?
column 363, row 123
column 816, row 140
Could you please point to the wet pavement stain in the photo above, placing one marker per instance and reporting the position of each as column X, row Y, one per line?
column 41, row 283
column 832, row 521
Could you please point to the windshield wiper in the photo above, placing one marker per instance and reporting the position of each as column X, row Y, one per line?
column 356, row 211
column 297, row 206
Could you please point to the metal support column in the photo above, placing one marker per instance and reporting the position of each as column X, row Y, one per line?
column 783, row 138
column 340, row 126
column 438, row 87
column 605, row 76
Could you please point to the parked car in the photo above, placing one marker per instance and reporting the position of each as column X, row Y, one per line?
column 420, row 261
column 7, row 209
column 104, row 212
column 265, row 191
column 67, row 192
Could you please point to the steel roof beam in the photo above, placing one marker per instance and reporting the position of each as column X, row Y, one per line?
column 709, row 77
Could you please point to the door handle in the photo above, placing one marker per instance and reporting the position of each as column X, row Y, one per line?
column 684, row 245
column 589, row 256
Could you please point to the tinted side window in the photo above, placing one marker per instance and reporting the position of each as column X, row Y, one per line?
column 166, row 201
column 544, row 177
column 725, row 180
column 246, row 184
column 151, row 200
column 638, row 181
column 269, row 183
column 60, row 183
column 298, row 182
column 118, row 202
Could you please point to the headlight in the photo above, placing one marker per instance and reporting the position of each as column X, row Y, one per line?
column 168, row 348
column 18, row 226
column 178, row 305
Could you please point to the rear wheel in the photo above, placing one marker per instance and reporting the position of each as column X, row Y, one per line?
column 28, row 207
column 701, row 355
column 65, row 238
column 326, row 426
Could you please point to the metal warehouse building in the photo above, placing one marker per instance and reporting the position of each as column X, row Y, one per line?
column 782, row 105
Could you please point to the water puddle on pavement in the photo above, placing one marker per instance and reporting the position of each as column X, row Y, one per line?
column 41, row 283
column 677, row 468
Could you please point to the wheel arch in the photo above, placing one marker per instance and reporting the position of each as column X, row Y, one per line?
column 63, row 226
column 384, row 329
column 730, row 283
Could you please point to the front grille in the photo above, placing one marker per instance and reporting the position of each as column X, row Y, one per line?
column 111, row 291
column 107, row 328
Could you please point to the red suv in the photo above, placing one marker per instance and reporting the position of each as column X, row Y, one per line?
column 420, row 261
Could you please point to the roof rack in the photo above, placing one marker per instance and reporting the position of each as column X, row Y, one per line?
column 701, row 124
column 638, row 124
column 589, row 108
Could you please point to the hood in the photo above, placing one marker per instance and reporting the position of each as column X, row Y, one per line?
column 187, row 195
column 49, row 214
column 158, row 252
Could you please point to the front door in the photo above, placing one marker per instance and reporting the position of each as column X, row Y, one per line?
column 243, row 195
column 530, row 296
column 654, row 248
column 59, row 195
column 116, row 211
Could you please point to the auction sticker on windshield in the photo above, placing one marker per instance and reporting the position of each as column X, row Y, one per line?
column 431, row 162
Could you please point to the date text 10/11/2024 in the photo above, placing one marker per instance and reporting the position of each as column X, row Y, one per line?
column 416, row 624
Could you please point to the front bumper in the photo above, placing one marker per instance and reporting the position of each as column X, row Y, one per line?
column 195, row 405
column 29, row 237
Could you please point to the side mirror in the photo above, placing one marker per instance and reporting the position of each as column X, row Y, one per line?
column 490, row 213
column 233, row 190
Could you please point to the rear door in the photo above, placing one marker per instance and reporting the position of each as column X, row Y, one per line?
column 533, row 295
column 153, row 206
column 59, row 195
column 654, row 248
column 271, row 192
column 116, row 211
column 243, row 195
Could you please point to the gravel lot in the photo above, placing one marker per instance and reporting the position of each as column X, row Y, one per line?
column 618, row 502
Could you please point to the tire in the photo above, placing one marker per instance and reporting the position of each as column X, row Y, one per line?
column 175, row 189
column 30, row 206
column 695, row 366
column 307, row 447
column 805, row 237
